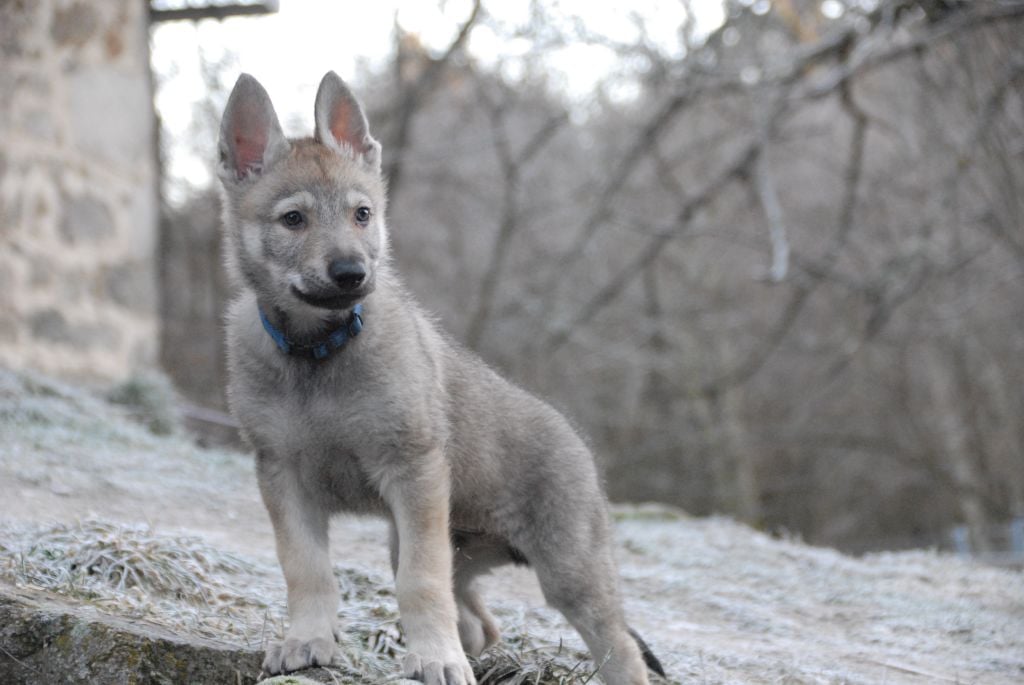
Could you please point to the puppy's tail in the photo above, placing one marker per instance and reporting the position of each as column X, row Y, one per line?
column 649, row 658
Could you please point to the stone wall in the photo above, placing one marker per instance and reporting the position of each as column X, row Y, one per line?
column 78, row 188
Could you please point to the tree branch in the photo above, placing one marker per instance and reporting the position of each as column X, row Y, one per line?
column 511, row 166
column 607, row 294
column 414, row 98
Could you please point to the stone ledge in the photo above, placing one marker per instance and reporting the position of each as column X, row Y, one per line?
column 45, row 638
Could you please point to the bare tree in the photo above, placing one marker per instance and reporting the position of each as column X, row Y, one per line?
column 785, row 282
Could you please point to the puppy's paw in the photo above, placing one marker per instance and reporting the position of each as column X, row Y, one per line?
column 451, row 671
column 295, row 655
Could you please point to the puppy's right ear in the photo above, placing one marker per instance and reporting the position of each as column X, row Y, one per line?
column 250, row 134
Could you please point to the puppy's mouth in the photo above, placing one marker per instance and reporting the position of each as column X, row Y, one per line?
column 333, row 300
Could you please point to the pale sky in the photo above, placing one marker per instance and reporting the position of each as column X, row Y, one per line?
column 289, row 51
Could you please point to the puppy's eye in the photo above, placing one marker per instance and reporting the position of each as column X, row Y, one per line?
column 293, row 219
column 363, row 215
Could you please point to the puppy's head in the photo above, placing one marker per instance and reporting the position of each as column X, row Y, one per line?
column 304, row 218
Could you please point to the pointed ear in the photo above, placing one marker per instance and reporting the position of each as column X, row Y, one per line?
column 250, row 134
column 341, row 124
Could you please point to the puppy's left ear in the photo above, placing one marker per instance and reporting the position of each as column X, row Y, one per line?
column 341, row 124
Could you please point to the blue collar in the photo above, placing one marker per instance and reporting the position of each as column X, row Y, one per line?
column 321, row 350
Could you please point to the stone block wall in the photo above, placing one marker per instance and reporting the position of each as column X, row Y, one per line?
column 78, row 188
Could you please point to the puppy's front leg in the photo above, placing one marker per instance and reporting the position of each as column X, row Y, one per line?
column 418, row 499
column 300, row 530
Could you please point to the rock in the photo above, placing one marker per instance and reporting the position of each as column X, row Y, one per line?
column 325, row 676
column 86, row 219
column 50, row 324
column 131, row 285
column 74, row 25
column 104, row 103
column 49, row 639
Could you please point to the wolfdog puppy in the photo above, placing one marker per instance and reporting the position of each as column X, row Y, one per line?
column 353, row 400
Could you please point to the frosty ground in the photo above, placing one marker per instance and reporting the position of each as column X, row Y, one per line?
column 98, row 506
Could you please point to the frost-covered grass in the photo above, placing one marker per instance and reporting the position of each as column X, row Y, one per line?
column 179, row 582
column 98, row 507
column 67, row 451
column 93, row 555
column 191, row 588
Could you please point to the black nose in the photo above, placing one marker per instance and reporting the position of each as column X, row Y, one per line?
column 347, row 273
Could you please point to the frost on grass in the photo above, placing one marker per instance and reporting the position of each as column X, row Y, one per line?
column 68, row 451
column 150, row 399
column 178, row 582
column 717, row 601
column 192, row 588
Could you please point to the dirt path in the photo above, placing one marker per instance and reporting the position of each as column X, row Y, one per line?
column 718, row 602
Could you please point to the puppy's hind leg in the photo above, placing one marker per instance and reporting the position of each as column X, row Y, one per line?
column 475, row 553
column 573, row 561
column 477, row 628
column 598, row 618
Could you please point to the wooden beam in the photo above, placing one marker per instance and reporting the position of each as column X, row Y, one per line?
column 220, row 12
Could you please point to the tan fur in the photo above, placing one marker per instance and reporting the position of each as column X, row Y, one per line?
column 401, row 422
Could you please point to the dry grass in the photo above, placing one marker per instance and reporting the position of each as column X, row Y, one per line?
column 717, row 601
column 92, row 556
column 178, row 582
column 182, row 583
column 536, row 666
column 189, row 587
